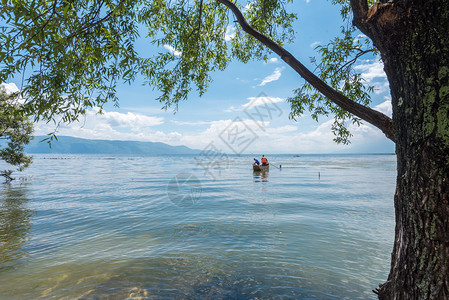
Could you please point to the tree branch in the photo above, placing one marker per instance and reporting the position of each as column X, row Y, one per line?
column 354, row 60
column 95, row 21
column 378, row 119
column 53, row 8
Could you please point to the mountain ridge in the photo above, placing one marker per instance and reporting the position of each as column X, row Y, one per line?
column 73, row 145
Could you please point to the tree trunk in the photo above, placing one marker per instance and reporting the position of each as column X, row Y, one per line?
column 413, row 39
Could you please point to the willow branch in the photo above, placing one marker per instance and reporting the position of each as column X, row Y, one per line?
column 88, row 26
column 41, row 30
column 378, row 119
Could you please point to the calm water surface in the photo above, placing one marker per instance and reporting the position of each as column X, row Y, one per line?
column 164, row 227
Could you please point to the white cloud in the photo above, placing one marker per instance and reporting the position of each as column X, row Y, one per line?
column 282, row 129
column 385, row 108
column 109, row 126
column 272, row 77
column 231, row 108
column 359, row 37
column 131, row 120
column 258, row 101
column 381, row 87
column 10, row 87
column 243, row 80
column 314, row 44
column 173, row 50
column 248, row 7
column 194, row 123
column 143, row 110
column 371, row 70
column 227, row 136
column 318, row 140
column 254, row 102
column 273, row 60
column 230, row 33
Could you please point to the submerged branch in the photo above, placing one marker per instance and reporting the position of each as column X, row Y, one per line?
column 7, row 175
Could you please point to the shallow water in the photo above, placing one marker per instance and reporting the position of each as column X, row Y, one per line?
column 114, row 227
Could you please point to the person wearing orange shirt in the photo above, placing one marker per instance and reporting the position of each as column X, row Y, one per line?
column 264, row 161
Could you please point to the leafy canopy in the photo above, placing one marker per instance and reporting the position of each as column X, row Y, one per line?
column 72, row 54
column 16, row 129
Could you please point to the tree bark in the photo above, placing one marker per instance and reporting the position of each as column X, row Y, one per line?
column 413, row 39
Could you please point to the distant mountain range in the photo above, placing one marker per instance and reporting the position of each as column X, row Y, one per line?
column 72, row 145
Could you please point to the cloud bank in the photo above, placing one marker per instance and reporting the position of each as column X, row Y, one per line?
column 237, row 135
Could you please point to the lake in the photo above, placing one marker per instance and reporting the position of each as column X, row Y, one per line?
column 164, row 227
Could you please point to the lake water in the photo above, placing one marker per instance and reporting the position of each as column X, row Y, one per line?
column 164, row 227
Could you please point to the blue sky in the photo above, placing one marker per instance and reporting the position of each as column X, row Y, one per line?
column 244, row 109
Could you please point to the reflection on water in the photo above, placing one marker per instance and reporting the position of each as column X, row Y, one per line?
column 15, row 222
column 261, row 176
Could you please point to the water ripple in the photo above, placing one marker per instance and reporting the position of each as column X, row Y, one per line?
column 91, row 227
